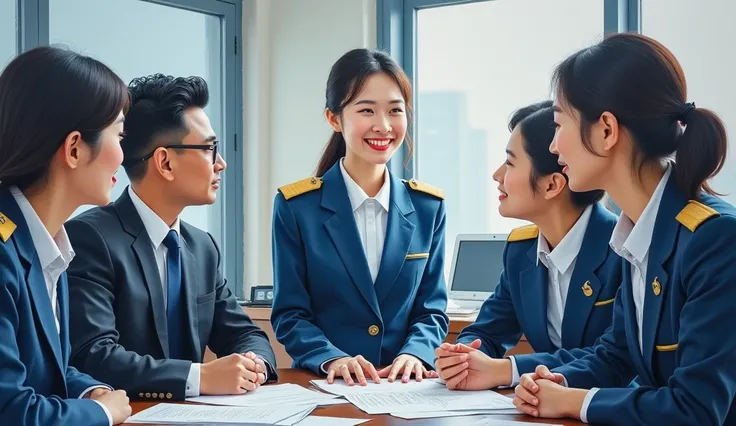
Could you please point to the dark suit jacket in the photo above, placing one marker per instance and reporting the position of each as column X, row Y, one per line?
column 118, row 316
column 37, row 384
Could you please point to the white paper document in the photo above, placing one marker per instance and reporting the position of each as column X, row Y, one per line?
column 339, row 387
column 441, row 399
column 490, row 421
column 272, row 395
column 190, row 413
column 330, row 421
column 411, row 415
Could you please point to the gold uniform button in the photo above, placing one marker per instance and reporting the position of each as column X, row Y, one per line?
column 373, row 330
column 169, row 395
column 148, row 394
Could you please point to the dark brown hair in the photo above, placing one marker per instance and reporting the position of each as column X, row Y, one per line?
column 345, row 82
column 537, row 126
column 45, row 94
column 641, row 83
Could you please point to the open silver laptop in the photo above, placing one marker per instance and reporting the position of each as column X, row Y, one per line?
column 477, row 263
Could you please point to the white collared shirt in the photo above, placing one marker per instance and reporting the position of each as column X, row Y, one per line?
column 54, row 254
column 631, row 242
column 560, row 264
column 157, row 231
column 371, row 216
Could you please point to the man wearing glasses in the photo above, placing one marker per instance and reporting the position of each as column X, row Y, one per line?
column 146, row 289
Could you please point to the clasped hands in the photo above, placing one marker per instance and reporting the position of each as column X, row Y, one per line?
column 232, row 374
column 360, row 367
column 538, row 394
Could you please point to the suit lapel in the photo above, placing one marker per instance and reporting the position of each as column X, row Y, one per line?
column 344, row 234
column 143, row 250
column 585, row 285
column 534, row 290
column 190, row 295
column 63, row 295
column 35, row 279
column 399, row 232
column 632, row 329
column 657, row 280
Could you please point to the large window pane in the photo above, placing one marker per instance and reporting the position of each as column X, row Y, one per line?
column 700, row 34
column 476, row 64
column 136, row 38
column 8, row 30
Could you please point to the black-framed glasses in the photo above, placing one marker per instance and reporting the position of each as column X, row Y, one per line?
column 203, row 147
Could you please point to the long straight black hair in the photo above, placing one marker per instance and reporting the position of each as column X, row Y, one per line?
column 45, row 94
column 346, row 80
column 641, row 83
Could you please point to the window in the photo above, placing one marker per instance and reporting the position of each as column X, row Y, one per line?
column 8, row 30
column 177, row 37
column 475, row 64
column 699, row 34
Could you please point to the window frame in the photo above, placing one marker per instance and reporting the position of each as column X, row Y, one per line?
column 33, row 16
column 396, row 31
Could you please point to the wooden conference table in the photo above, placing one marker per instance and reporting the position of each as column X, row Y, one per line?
column 302, row 378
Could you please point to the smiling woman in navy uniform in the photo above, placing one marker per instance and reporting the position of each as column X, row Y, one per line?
column 357, row 253
column 622, row 113
column 560, row 276
column 61, row 119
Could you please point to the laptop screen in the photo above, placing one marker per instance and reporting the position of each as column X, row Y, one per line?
column 478, row 266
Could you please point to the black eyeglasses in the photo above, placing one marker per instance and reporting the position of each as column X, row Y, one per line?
column 203, row 147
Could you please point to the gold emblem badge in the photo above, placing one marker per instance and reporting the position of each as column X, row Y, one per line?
column 587, row 289
column 656, row 287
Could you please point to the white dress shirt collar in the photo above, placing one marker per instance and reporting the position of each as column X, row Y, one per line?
column 53, row 252
column 155, row 226
column 633, row 238
column 358, row 196
column 563, row 256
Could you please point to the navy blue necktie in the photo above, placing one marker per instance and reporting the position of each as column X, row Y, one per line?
column 174, row 306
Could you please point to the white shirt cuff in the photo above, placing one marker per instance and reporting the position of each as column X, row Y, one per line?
column 107, row 413
column 193, row 380
column 586, row 403
column 91, row 388
column 514, row 372
column 268, row 368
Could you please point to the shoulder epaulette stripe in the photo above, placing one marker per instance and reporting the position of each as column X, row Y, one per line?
column 301, row 187
column 426, row 188
column 523, row 233
column 694, row 214
column 7, row 227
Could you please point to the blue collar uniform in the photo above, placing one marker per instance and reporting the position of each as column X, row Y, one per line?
column 673, row 318
column 524, row 302
column 38, row 386
column 327, row 304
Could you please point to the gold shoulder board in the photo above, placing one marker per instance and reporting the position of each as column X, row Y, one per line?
column 694, row 214
column 426, row 188
column 301, row 187
column 523, row 233
column 7, row 227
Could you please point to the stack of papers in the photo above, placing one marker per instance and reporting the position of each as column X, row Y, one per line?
column 273, row 395
column 188, row 414
column 425, row 399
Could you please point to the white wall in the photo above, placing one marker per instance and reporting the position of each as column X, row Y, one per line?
column 8, row 29
column 289, row 47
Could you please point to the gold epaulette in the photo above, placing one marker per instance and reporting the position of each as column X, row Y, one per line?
column 694, row 214
column 523, row 233
column 425, row 187
column 7, row 227
column 301, row 187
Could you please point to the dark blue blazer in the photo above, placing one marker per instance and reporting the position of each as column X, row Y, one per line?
column 687, row 372
column 326, row 304
column 519, row 303
column 37, row 385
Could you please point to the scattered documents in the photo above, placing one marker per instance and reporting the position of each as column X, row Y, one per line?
column 330, row 421
column 412, row 415
column 166, row 414
column 339, row 387
column 273, row 395
column 441, row 399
